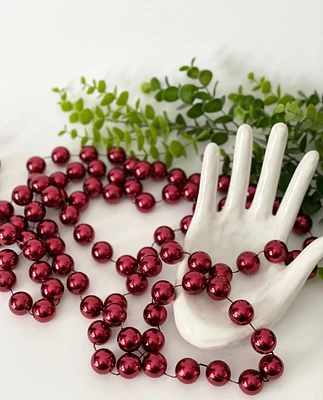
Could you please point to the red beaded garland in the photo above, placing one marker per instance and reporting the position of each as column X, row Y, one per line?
column 129, row 164
column 55, row 246
column 116, row 298
column 8, row 234
column 99, row 332
column 194, row 282
column 291, row 255
column 223, row 183
column 176, row 176
column 199, row 261
column 303, row 224
column 19, row 222
column 83, row 234
column 117, row 175
column 36, row 164
column 154, row 365
column 34, row 250
column 79, row 200
column 248, row 263
column 251, row 192
column 171, row 252
column 112, row 193
column 129, row 366
column 250, row 382
column 129, row 339
column 271, row 367
column 241, row 312
column 6, row 210
column 221, row 269
column 150, row 266
column 171, row 194
column 39, row 182
column 7, row 280
column 77, row 283
column 276, row 205
column 39, row 271
column 75, row 171
column 63, row 264
column 52, row 289
column 275, row 251
column 116, row 155
column 195, row 178
column 24, row 237
column 145, row 202
column 163, row 234
column 136, row 283
column 51, row 196
column 20, row 303
column 146, row 251
column 142, row 170
column 91, row 306
column 8, row 259
column 163, row 292
column 60, row 155
column 153, row 340
column 158, row 170
column 102, row 252
column 69, row 215
column 114, row 315
column 126, row 265
column 263, row 341
column 21, row 195
column 88, row 154
column 43, row 310
column 132, row 188
column 92, row 187
column 218, row 373
column 187, row 370
column 308, row 241
column 47, row 228
column 222, row 203
column 155, row 314
column 185, row 223
column 35, row 211
column 218, row 288
column 190, row 191
column 103, row 361
column 96, row 168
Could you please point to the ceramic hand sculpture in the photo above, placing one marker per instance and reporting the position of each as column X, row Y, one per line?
column 225, row 234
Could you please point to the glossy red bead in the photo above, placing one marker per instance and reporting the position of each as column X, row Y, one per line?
column 171, row 252
column 117, row 175
column 176, row 176
column 218, row 288
column 96, row 168
column 116, row 155
column 313, row 273
column 190, row 191
column 187, row 370
column 218, row 373
column 154, row 365
column 250, row 382
column 158, row 170
column 83, row 234
column 251, row 192
column 69, row 215
column 19, row 222
column 195, row 178
column 150, row 266
column 75, row 171
column 142, row 170
column 276, row 205
column 34, row 250
column 77, row 283
column 63, row 264
column 6, row 210
column 194, row 282
column 129, row 366
column 263, row 341
column 24, row 237
column 199, row 261
column 60, row 155
column 171, row 194
column 303, row 224
column 163, row 292
column 275, row 251
column 8, row 234
column 99, row 332
column 55, row 246
column 152, row 340
column 308, row 241
column 248, row 263
column 185, row 223
column 129, row 339
column 64, row 197
column 132, row 188
column 36, row 164
column 291, row 255
column 129, row 164
column 47, row 228
column 79, row 200
column 51, row 197
column 35, row 211
column 39, row 182
column 146, row 251
column 126, row 265
column 223, row 183
column 92, row 187
column 7, row 280
column 88, row 154
column 22, row 195
column 58, row 179
column 8, row 259
column 155, row 314
column 102, row 252
column 271, row 367
column 222, row 203
column 39, row 271
column 114, row 315
column 112, row 193
column 145, row 202
column 44, row 310
column 103, row 361
column 221, row 269
column 116, row 298
column 91, row 306
column 137, row 283
column 241, row 312
column 52, row 289
column 20, row 303
column 163, row 234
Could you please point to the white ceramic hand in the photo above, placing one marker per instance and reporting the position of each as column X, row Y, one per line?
column 225, row 234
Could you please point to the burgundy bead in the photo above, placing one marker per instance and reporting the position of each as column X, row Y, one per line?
column 8, row 259
column 171, row 252
column 39, row 182
column 58, row 179
column 35, row 211
column 102, row 252
column 276, row 205
column 117, row 175
column 187, row 370
column 7, row 280
column 52, row 289
column 145, row 202
column 24, row 237
column 44, row 310
column 308, row 241
column 88, row 154
column 55, row 246
column 103, row 361
column 154, row 365
column 96, row 168
column 132, row 188
column 155, row 314
column 92, row 187
column 51, row 197
column 19, row 222
column 163, row 292
column 126, row 265
column 171, row 194
column 136, row 283
column 271, row 367
column 218, row 373
column 142, row 170
column 190, row 191
column 39, row 271
column 8, row 234
column 69, row 215
column 303, row 224
column 251, row 192
column 60, row 155
column 195, row 178
column 47, row 228
column 63, row 264
column 241, row 312
column 291, row 255
column 218, row 288
column 129, row 366
column 112, row 193
column 98, row 332
column 34, row 250
column 158, row 170
column 313, row 273
column 91, row 306
column 185, row 223
column 79, row 200
column 129, row 164
column 194, row 282
column 150, row 266
column 275, row 251
column 248, row 263
column 83, row 234
column 20, row 303
column 77, row 283
column 114, row 315
column 176, row 176
column 36, row 164
column 221, row 269
column 146, row 251
column 251, row 382
column 21, row 195
column 6, row 210
column 116, row 298
column 152, row 340
column 223, row 183
column 248, row 204
column 199, row 261
column 263, row 341
column 129, row 339
column 64, row 198
column 75, row 171
column 116, row 155
column 222, row 203
column 163, row 234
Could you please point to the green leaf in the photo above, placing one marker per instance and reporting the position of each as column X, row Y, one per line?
column 303, row 144
column 101, row 86
column 180, row 120
column 123, row 98
column 116, row 114
column 74, row 117
column 168, row 159
column 255, row 88
column 310, row 205
column 213, row 106
column 246, row 101
column 319, row 184
column 146, row 87
column 84, row 141
column 284, row 180
column 313, row 99
column 55, row 90
column 187, row 92
column 203, row 135
column 127, row 137
column 63, row 96
column 170, row 94
column 149, row 112
column 239, row 113
column 279, row 108
column 219, row 138
column 225, row 119
column 79, row 104
column 159, row 96
column 86, row 116
column 83, row 81
column 195, row 111
column 61, row 133
column 251, row 76
column 205, row 77
column 154, row 152
column 203, row 96
column 135, row 118
column 266, row 87
column 270, row 100
column 73, row 133
column 320, row 272
column 287, row 98
column 99, row 112
column 119, row 133
column 90, row 90
column 66, row 106
column 98, row 124
column 258, row 152
column 193, row 72
column 108, row 99
column 311, row 112
column 155, row 84
column 176, row 148
column 140, row 140
column 184, row 68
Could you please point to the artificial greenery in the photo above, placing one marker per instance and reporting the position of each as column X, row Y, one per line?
column 201, row 115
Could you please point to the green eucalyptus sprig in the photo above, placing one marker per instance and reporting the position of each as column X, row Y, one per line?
column 202, row 115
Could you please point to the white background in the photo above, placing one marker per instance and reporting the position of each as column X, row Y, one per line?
column 47, row 44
